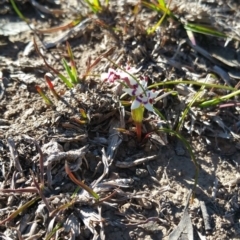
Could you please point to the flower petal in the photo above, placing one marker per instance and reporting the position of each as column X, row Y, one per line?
column 135, row 90
column 135, row 104
column 149, row 107
column 153, row 94
column 129, row 91
column 139, row 90
column 104, row 77
column 143, row 84
column 128, row 79
column 113, row 75
column 143, row 98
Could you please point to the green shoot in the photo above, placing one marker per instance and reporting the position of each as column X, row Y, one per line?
column 185, row 112
column 215, row 101
column 83, row 119
column 159, row 8
column 72, row 62
column 19, row 210
column 189, row 27
column 61, row 76
column 159, row 114
column 64, row 79
column 51, row 87
column 126, row 103
column 207, row 85
column 162, row 3
column 60, row 28
column 94, row 5
column 44, row 97
column 18, row 11
column 51, row 234
column 79, row 121
column 207, row 30
column 153, row 29
column 80, row 183
column 83, row 114
column 69, row 72
column 62, row 207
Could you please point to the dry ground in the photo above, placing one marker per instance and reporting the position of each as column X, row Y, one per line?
column 149, row 199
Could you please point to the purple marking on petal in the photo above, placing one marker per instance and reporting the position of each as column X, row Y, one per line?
column 135, row 88
column 140, row 99
column 113, row 77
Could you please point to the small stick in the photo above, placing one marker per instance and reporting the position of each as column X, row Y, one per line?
column 205, row 215
column 20, row 190
column 40, row 191
column 135, row 162
column 29, row 139
column 14, row 155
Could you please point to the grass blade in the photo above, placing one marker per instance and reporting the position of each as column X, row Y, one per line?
column 61, row 208
column 162, row 3
column 153, row 29
column 215, row 101
column 95, row 5
column 44, row 97
column 207, row 85
column 80, row 183
column 159, row 114
column 18, row 11
column 51, row 87
column 21, row 209
column 68, row 70
column 62, row 77
column 60, row 28
column 51, row 234
column 158, row 8
column 207, row 30
column 65, row 80
column 185, row 112
column 72, row 62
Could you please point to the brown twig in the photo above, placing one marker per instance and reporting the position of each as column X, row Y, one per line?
column 40, row 192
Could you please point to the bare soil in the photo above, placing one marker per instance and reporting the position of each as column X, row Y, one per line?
column 141, row 201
